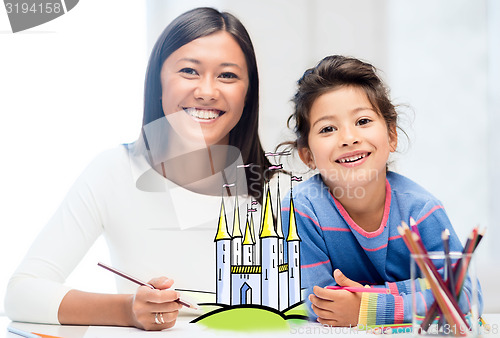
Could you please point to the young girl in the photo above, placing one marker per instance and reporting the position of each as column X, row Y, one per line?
column 200, row 124
column 348, row 214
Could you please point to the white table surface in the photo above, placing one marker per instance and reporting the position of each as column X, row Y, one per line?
column 184, row 329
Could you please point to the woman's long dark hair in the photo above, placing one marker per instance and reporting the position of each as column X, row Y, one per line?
column 192, row 25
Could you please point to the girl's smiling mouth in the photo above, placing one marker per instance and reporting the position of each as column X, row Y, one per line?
column 203, row 113
column 353, row 159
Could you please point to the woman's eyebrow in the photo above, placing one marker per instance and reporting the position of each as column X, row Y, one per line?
column 196, row 61
column 230, row 64
column 223, row 64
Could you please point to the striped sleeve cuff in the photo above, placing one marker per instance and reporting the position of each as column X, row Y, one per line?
column 399, row 310
column 424, row 284
column 405, row 287
column 393, row 287
column 368, row 309
column 380, row 309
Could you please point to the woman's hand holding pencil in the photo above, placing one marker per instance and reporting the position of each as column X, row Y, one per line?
column 154, row 306
column 156, row 309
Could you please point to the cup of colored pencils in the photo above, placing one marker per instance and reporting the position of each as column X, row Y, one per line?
column 437, row 282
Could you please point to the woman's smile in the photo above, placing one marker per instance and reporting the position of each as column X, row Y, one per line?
column 203, row 114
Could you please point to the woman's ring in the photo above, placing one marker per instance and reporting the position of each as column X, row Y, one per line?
column 159, row 318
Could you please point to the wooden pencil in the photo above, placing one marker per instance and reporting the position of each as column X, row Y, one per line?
column 448, row 307
column 445, row 236
column 412, row 246
column 441, row 283
column 139, row 282
column 457, row 274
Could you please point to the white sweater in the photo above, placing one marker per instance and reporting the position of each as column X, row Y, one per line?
column 168, row 232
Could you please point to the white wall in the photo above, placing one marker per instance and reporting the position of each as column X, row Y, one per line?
column 440, row 68
column 440, row 62
column 68, row 90
column 73, row 87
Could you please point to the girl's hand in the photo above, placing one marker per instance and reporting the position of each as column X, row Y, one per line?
column 147, row 302
column 337, row 307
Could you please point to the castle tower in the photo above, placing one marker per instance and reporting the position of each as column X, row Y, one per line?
column 293, row 247
column 248, row 244
column 269, row 257
column 223, row 261
column 237, row 237
column 263, row 209
column 279, row 227
column 283, row 268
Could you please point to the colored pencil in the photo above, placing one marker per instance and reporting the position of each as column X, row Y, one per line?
column 445, row 236
column 450, row 309
column 138, row 281
column 22, row 333
column 27, row 334
column 45, row 335
column 462, row 265
column 462, row 268
column 433, row 310
column 436, row 290
column 359, row 289
column 441, row 282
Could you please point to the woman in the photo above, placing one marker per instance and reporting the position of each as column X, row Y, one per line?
column 157, row 199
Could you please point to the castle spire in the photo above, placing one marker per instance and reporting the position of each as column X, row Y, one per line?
column 252, row 229
column 267, row 224
column 262, row 209
column 249, row 239
column 292, row 229
column 248, row 244
column 279, row 225
column 222, row 232
column 236, row 220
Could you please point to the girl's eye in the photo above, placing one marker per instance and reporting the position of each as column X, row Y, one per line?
column 189, row 71
column 364, row 121
column 328, row 129
column 228, row 75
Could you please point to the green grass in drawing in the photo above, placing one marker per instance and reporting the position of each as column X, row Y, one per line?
column 251, row 318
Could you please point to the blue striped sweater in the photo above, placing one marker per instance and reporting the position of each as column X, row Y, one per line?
column 331, row 240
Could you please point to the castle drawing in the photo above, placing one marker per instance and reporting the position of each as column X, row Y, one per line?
column 270, row 279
